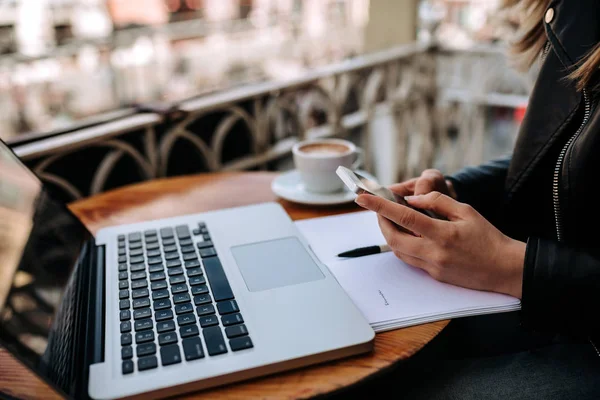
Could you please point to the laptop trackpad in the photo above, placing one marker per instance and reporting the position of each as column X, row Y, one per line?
column 275, row 263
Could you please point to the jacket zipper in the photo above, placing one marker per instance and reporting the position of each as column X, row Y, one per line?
column 545, row 51
column 558, row 168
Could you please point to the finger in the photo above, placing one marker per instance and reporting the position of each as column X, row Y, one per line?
column 404, row 216
column 440, row 204
column 406, row 243
column 413, row 261
column 406, row 188
column 429, row 181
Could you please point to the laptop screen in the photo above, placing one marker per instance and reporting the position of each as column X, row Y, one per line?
column 40, row 245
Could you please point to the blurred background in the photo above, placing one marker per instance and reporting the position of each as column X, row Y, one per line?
column 130, row 90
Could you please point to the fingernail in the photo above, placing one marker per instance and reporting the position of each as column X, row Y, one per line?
column 360, row 201
column 409, row 198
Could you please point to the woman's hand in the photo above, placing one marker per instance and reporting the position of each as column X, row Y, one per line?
column 466, row 250
column 431, row 180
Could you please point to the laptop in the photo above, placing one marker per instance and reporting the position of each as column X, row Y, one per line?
column 166, row 306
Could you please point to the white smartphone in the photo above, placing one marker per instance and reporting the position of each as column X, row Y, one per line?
column 360, row 184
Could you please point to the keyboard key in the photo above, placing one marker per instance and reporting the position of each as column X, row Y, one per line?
column 125, row 326
column 154, row 260
column 168, row 242
column 206, row 237
column 157, row 276
column 124, row 315
column 189, row 330
column 181, row 298
column 136, row 294
column 141, row 314
column 158, row 285
column 153, row 253
column 205, row 310
column 138, row 275
column 126, row 352
column 170, row 355
column 208, row 320
column 236, row 331
column 125, row 339
column 192, row 263
column 121, row 245
column 175, row 271
column 150, row 232
column 186, row 319
column 194, row 272
column 170, row 248
column 137, row 267
column 167, row 338
column 232, row 319
column 213, row 337
column 179, row 288
column 134, row 236
column 197, row 280
column 162, row 304
column 160, row 294
column 146, row 363
column 196, row 232
column 135, row 245
column 136, row 252
column 217, row 279
column 204, row 244
column 121, row 238
column 122, row 259
column 192, row 348
column 227, row 307
column 202, row 299
column 143, row 324
column 123, row 294
column 172, row 256
column 166, row 233
column 127, row 367
column 200, row 289
column 163, row 314
column 136, row 260
column 142, row 283
column 186, row 242
column 182, row 231
column 183, row 308
column 174, row 263
column 241, row 343
column 166, row 326
column 122, row 252
column 145, row 349
column 122, row 267
column 207, row 252
column 190, row 256
column 156, row 268
column 123, row 284
column 152, row 245
column 141, row 303
column 188, row 249
column 124, row 304
column 123, row 275
column 177, row 279
column 144, row 336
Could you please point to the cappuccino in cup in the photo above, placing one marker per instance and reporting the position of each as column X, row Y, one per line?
column 317, row 160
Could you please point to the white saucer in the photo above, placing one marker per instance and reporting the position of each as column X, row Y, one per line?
column 289, row 187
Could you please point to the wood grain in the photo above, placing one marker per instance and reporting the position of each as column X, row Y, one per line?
column 199, row 193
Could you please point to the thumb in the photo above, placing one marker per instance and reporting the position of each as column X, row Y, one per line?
column 438, row 203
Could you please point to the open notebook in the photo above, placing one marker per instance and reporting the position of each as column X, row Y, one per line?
column 390, row 293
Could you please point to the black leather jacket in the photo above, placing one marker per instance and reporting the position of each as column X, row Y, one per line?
column 545, row 193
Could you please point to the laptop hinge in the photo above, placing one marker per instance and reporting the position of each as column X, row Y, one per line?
column 98, row 306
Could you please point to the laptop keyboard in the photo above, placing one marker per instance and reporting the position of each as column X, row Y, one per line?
column 175, row 302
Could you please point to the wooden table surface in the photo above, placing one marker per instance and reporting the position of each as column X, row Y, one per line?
column 198, row 193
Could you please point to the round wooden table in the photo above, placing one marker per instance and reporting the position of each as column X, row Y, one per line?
column 192, row 194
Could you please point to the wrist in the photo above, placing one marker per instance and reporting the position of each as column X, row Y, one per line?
column 513, row 263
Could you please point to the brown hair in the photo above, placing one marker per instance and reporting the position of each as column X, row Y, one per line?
column 527, row 18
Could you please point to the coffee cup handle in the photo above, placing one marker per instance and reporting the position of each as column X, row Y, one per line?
column 360, row 156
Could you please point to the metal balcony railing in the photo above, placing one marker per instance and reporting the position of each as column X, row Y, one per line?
column 410, row 108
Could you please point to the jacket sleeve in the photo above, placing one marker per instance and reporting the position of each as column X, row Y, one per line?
column 483, row 187
column 561, row 289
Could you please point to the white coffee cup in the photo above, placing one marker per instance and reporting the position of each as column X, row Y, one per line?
column 318, row 159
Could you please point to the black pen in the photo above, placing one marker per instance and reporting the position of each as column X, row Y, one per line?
column 365, row 251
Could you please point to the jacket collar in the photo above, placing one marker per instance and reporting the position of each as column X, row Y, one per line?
column 572, row 32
